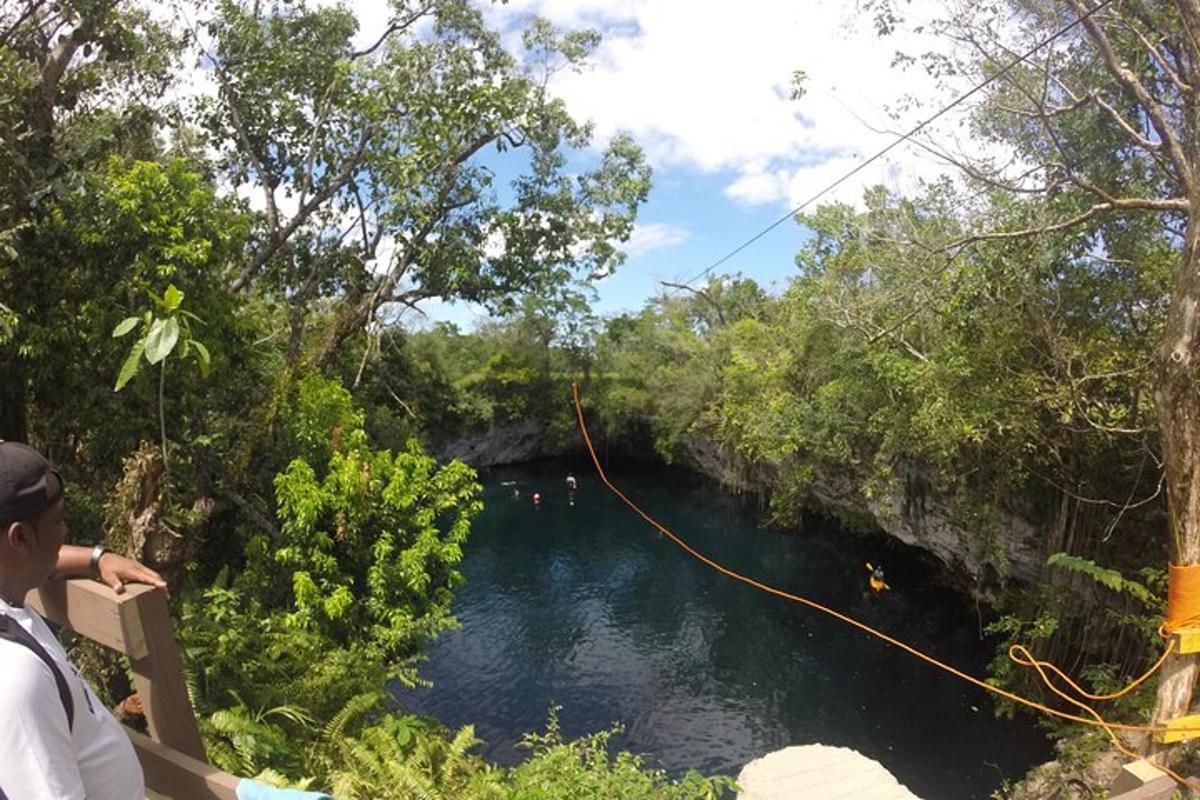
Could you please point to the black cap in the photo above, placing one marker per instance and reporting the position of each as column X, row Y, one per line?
column 25, row 488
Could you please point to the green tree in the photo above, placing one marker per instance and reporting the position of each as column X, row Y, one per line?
column 392, row 138
column 61, row 64
column 1103, row 118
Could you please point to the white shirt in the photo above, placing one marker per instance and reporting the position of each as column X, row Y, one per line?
column 41, row 758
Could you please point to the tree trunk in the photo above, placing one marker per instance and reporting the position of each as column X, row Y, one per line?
column 1178, row 405
column 13, row 422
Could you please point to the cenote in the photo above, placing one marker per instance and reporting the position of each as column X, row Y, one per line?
column 588, row 608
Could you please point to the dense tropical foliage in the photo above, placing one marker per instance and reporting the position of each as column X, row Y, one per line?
column 229, row 215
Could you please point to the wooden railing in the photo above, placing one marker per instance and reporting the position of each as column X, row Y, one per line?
column 138, row 624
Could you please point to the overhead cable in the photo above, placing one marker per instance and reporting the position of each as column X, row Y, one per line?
column 901, row 139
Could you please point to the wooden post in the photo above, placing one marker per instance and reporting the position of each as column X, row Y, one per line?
column 158, row 678
column 138, row 624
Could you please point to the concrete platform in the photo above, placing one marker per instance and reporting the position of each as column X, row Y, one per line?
column 818, row 772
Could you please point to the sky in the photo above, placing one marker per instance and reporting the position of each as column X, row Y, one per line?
column 704, row 89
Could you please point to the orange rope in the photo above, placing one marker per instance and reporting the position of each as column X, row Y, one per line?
column 1018, row 653
column 1183, row 597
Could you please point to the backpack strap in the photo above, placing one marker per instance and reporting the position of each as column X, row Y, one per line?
column 11, row 631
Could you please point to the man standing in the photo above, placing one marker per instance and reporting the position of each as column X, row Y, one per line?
column 58, row 741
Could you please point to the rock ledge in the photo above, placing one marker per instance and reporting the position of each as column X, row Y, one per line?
column 818, row 772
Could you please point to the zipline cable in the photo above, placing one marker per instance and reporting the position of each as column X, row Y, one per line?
column 905, row 137
column 1018, row 653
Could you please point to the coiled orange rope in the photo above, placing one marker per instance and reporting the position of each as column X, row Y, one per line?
column 1183, row 597
column 1018, row 653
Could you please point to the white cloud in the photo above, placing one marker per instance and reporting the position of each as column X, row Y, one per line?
column 654, row 236
column 705, row 86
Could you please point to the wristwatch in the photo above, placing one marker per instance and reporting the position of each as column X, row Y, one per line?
column 97, row 553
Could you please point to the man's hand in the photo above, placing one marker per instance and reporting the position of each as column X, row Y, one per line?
column 112, row 569
column 117, row 570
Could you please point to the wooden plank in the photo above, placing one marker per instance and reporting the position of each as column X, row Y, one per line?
column 179, row 776
column 158, row 678
column 93, row 610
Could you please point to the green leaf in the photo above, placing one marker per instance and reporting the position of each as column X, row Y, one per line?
column 1108, row 578
column 202, row 356
column 130, row 367
column 164, row 333
column 172, row 297
column 127, row 324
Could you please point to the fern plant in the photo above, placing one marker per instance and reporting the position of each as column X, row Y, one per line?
column 1108, row 578
column 403, row 756
column 247, row 742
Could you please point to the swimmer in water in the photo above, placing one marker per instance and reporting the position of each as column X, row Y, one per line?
column 876, row 582
column 537, row 500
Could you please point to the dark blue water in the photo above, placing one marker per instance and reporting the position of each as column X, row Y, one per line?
column 589, row 608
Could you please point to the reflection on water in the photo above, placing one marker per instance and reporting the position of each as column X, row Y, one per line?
column 588, row 607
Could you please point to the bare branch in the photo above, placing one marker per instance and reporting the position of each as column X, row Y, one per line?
column 1178, row 205
column 1119, row 118
column 1126, row 78
column 60, row 57
column 410, row 299
column 277, row 241
column 1046, row 111
column 1158, row 57
column 849, row 323
column 395, row 26
column 1096, row 501
column 268, row 180
column 1108, row 428
column 349, row 321
column 313, row 140
column 699, row 293
column 254, row 513
column 994, row 180
column 31, row 8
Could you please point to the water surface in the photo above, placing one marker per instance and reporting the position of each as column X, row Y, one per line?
column 589, row 608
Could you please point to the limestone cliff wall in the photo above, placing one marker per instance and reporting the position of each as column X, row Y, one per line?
column 508, row 443
column 909, row 508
